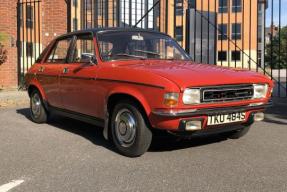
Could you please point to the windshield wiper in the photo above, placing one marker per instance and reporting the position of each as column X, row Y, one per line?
column 128, row 55
column 148, row 52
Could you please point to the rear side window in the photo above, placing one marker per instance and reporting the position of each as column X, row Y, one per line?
column 60, row 51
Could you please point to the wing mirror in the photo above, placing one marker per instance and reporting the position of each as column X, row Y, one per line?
column 89, row 58
column 93, row 60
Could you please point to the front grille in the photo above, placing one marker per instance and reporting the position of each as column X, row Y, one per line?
column 227, row 93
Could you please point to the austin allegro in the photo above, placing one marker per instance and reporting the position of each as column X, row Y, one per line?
column 134, row 81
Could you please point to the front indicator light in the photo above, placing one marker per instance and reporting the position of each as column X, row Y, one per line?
column 171, row 99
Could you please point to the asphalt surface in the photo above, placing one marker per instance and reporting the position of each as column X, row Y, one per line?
column 68, row 155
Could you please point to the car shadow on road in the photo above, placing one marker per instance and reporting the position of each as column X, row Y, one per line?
column 278, row 112
column 171, row 143
column 88, row 131
column 161, row 142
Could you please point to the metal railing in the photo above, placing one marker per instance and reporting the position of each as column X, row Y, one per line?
column 245, row 34
column 29, row 38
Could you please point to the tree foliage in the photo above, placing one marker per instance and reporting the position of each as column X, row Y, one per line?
column 276, row 51
column 3, row 37
column 3, row 51
column 3, row 54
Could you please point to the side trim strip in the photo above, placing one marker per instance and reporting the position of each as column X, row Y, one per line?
column 45, row 75
column 101, row 79
column 131, row 82
column 77, row 77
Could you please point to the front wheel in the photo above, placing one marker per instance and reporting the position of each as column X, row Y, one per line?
column 130, row 132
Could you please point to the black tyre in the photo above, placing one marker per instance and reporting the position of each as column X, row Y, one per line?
column 239, row 133
column 38, row 112
column 130, row 132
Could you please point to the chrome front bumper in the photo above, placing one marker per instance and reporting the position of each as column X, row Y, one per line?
column 210, row 111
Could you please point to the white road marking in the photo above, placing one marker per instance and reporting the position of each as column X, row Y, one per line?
column 11, row 185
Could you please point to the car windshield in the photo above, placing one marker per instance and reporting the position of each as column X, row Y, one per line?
column 126, row 45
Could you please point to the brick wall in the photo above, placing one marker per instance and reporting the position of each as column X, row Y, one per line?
column 54, row 23
column 8, row 25
column 54, row 19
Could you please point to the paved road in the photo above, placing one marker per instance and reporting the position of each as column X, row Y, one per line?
column 68, row 155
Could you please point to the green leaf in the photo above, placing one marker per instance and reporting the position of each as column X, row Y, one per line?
column 3, row 37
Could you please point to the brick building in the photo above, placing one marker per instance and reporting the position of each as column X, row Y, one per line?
column 33, row 32
column 8, row 26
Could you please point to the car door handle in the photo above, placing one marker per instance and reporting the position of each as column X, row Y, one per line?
column 41, row 69
column 66, row 70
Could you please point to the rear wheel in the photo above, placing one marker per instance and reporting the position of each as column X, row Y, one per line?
column 131, row 134
column 239, row 133
column 38, row 112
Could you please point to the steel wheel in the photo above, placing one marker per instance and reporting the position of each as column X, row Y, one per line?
column 125, row 127
column 37, row 110
column 130, row 133
column 36, row 105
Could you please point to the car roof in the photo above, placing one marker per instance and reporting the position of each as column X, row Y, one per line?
column 111, row 29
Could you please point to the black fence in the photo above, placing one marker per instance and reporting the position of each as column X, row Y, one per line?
column 231, row 33
column 28, row 36
column 244, row 34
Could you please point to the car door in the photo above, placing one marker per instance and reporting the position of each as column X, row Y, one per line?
column 77, row 81
column 50, row 69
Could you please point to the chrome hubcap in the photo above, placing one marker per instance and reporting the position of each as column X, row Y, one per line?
column 36, row 105
column 125, row 127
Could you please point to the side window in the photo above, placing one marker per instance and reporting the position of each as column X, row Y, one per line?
column 106, row 49
column 84, row 49
column 60, row 51
column 167, row 50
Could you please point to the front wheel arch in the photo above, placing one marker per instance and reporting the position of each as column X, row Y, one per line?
column 36, row 86
column 118, row 97
column 112, row 101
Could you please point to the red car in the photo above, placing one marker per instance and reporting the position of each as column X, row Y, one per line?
column 131, row 81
